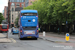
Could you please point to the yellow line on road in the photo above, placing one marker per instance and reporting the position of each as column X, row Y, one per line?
column 14, row 41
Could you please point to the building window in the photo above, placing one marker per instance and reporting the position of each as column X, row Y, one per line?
column 15, row 1
column 12, row 21
column 17, row 5
column 12, row 4
column 26, row 3
column 12, row 18
column 22, row 5
column 20, row 0
column 12, row 0
column 12, row 9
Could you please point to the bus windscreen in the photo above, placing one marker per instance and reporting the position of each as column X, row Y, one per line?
column 28, row 14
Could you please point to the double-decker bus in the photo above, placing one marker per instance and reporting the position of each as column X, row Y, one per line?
column 4, row 26
column 28, row 24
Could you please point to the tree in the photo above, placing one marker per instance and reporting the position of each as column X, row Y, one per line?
column 54, row 12
column 1, row 17
column 16, row 21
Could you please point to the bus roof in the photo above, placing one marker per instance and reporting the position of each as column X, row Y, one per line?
column 28, row 11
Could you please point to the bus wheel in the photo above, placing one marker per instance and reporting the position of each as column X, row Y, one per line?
column 20, row 38
column 6, row 31
column 13, row 33
column 35, row 38
column 1, row 31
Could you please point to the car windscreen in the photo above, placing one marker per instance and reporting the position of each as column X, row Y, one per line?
column 28, row 14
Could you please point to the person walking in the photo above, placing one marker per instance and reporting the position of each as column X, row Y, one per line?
column 39, row 29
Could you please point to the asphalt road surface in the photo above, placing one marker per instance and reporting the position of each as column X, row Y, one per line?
column 32, row 44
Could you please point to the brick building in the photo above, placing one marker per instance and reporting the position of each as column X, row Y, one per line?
column 5, row 12
column 28, row 2
column 12, row 14
column 12, row 5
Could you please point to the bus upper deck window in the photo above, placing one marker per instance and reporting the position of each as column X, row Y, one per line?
column 29, row 20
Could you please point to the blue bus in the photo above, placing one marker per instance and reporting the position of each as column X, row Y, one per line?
column 28, row 24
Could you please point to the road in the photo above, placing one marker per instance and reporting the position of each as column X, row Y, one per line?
column 39, row 44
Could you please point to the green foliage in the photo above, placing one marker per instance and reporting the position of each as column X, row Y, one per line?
column 16, row 21
column 54, row 11
column 1, row 17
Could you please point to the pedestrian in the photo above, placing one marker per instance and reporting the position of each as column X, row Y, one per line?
column 39, row 29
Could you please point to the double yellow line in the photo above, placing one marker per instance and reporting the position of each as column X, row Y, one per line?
column 14, row 41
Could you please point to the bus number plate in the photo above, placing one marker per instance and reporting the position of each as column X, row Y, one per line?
column 29, row 37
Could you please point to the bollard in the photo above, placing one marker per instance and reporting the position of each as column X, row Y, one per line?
column 67, row 36
column 7, row 33
column 43, row 33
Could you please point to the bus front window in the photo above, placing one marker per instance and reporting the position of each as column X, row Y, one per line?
column 28, row 14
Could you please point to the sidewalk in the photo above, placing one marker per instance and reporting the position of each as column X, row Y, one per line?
column 53, row 37
column 3, row 39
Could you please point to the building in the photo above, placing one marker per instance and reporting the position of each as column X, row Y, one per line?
column 28, row 2
column 12, row 14
column 12, row 5
column 5, row 12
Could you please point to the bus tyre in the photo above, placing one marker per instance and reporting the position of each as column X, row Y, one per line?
column 20, row 38
column 35, row 38
column 1, row 31
column 6, row 31
column 13, row 33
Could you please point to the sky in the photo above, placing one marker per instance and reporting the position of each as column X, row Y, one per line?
column 2, row 4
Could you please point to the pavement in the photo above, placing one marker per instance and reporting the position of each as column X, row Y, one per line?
column 3, row 39
column 57, row 38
